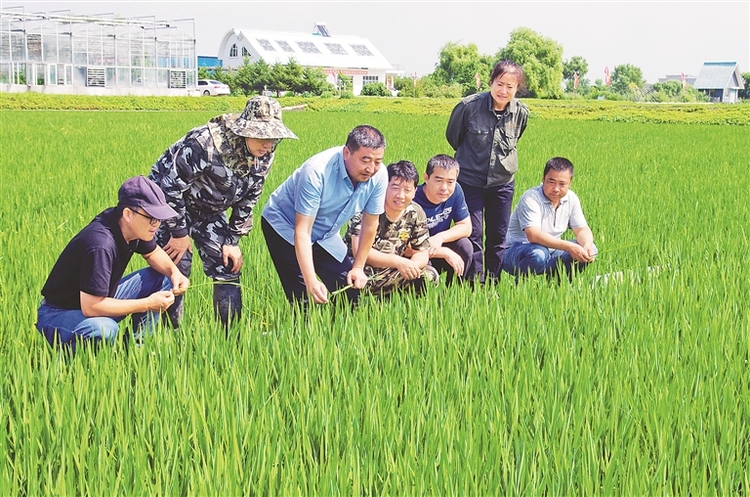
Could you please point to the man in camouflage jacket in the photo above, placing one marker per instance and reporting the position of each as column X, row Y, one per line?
column 215, row 167
column 399, row 255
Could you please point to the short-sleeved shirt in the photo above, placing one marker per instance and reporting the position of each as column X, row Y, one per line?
column 535, row 209
column 322, row 188
column 440, row 216
column 93, row 262
column 393, row 237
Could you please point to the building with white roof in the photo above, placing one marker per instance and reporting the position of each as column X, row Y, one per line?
column 349, row 55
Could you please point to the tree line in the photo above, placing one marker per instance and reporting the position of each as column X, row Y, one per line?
column 461, row 70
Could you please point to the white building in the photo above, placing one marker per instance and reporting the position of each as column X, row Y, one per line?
column 349, row 55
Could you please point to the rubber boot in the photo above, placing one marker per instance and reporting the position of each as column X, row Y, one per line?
column 227, row 302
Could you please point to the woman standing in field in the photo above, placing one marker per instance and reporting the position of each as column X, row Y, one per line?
column 483, row 130
column 219, row 166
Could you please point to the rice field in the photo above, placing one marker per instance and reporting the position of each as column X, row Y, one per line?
column 631, row 385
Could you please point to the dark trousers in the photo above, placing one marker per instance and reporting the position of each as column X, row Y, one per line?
column 330, row 271
column 465, row 250
column 489, row 208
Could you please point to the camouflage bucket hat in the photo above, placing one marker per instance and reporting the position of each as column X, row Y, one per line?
column 261, row 119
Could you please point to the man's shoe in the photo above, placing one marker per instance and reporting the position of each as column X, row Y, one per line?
column 431, row 275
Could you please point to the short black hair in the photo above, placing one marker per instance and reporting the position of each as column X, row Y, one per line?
column 442, row 161
column 506, row 66
column 558, row 164
column 404, row 170
column 365, row 136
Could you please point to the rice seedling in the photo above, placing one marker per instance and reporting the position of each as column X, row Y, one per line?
column 639, row 386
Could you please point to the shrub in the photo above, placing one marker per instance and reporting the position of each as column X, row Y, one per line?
column 376, row 89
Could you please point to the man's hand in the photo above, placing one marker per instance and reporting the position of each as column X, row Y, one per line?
column 454, row 261
column 233, row 254
column 591, row 251
column 436, row 242
column 580, row 254
column 408, row 269
column 159, row 301
column 176, row 248
column 357, row 278
column 180, row 283
column 317, row 291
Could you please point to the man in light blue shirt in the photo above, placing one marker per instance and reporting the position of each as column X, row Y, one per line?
column 303, row 217
column 543, row 214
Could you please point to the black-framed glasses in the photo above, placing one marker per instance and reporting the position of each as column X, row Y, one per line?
column 152, row 221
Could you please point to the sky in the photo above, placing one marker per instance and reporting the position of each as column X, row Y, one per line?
column 660, row 37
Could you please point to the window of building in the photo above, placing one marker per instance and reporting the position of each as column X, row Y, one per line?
column 245, row 53
column 308, row 47
column 266, row 45
column 369, row 79
column 285, row 46
column 362, row 50
column 233, row 51
column 335, row 48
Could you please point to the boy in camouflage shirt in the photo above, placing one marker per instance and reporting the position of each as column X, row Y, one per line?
column 399, row 256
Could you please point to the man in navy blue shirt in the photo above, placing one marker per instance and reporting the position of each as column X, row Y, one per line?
column 85, row 295
column 442, row 199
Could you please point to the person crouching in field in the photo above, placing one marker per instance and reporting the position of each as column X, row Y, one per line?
column 85, row 295
column 442, row 200
column 542, row 215
column 215, row 167
column 399, row 255
column 303, row 217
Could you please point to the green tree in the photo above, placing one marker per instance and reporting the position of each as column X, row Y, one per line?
column 745, row 93
column 204, row 73
column 251, row 77
column 541, row 59
column 576, row 64
column 277, row 80
column 344, row 83
column 627, row 79
column 375, row 89
column 314, row 81
column 406, row 87
column 459, row 64
column 293, row 75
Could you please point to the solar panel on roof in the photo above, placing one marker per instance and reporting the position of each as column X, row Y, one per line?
column 362, row 50
column 285, row 46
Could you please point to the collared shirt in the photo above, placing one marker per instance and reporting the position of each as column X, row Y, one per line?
column 93, row 262
column 535, row 209
column 440, row 216
column 207, row 172
column 485, row 141
column 322, row 188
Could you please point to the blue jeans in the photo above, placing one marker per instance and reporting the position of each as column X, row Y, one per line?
column 522, row 259
column 64, row 325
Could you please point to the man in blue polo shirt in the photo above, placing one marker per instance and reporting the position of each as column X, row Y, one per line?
column 536, row 226
column 442, row 200
column 85, row 295
column 303, row 217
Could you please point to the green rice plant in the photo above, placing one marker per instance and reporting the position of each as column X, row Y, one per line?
column 629, row 386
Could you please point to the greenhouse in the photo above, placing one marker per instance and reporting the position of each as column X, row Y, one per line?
column 59, row 52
